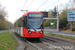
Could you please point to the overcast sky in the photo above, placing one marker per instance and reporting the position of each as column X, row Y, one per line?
column 14, row 7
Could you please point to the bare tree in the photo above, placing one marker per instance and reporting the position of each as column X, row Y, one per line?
column 3, row 13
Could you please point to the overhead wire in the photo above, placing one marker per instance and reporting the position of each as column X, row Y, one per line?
column 51, row 4
column 22, row 9
column 43, row 4
column 30, row 4
column 23, row 6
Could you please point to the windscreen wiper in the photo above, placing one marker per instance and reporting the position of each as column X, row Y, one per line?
column 31, row 27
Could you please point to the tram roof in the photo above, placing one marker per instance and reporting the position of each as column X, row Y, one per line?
column 31, row 12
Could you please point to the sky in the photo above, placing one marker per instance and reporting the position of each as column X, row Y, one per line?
column 14, row 7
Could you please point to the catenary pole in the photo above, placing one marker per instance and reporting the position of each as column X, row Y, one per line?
column 57, row 20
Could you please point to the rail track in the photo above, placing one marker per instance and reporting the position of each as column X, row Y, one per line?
column 58, row 43
column 49, row 43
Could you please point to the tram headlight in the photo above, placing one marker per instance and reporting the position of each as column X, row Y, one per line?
column 41, row 31
column 29, row 31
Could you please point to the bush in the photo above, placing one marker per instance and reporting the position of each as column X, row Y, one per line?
column 65, row 28
column 63, row 22
column 73, row 29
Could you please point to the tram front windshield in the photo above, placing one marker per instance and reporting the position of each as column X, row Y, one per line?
column 35, row 21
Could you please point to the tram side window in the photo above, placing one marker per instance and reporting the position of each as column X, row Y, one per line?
column 15, row 24
column 20, row 23
column 25, row 22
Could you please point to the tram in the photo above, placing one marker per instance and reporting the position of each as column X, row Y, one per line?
column 30, row 25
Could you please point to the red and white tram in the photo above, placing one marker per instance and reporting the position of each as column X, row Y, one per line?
column 30, row 25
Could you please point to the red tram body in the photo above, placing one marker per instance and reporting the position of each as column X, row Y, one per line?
column 30, row 25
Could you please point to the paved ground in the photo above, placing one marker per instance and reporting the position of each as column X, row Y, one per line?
column 61, row 33
column 22, row 44
column 1, row 31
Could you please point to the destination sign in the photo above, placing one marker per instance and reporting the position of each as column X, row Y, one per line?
column 45, row 14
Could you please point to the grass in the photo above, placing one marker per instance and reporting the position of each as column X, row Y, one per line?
column 7, row 41
column 61, row 36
